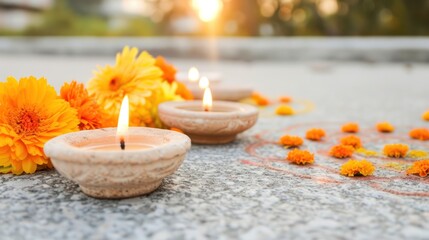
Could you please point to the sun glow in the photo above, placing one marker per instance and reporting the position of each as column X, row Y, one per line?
column 208, row 10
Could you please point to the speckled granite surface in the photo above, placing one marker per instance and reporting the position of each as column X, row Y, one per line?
column 243, row 190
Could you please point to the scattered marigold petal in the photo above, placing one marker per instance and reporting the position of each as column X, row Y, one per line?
column 176, row 129
column 260, row 99
column 285, row 99
column 315, row 134
column 416, row 153
column 425, row 116
column 354, row 168
column 420, row 134
column 350, row 128
column 385, row 127
column 366, row 152
column 291, row 141
column 300, row 157
column 420, row 168
column 284, row 110
column 396, row 150
column 341, row 151
column 351, row 140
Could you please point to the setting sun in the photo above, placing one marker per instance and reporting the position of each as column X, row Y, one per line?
column 208, row 10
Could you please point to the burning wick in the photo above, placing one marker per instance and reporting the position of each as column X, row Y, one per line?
column 207, row 100
column 122, row 142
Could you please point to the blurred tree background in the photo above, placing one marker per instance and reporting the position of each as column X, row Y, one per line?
column 219, row 17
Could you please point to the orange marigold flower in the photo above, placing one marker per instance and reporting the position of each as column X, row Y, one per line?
column 183, row 91
column 284, row 110
column 395, row 150
column 341, row 151
column 31, row 113
column 357, row 168
column 260, row 99
column 425, row 116
column 350, row 128
column 385, row 127
column 285, row 99
column 351, row 140
column 300, row 157
column 88, row 111
column 420, row 168
column 420, row 134
column 315, row 134
column 169, row 71
column 291, row 141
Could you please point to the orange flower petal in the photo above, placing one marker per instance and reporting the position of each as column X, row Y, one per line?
column 29, row 166
column 20, row 150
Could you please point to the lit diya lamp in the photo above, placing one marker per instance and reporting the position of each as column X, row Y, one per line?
column 193, row 75
column 118, row 162
column 207, row 121
column 222, row 90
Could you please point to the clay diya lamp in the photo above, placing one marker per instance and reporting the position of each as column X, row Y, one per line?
column 224, row 92
column 191, row 78
column 221, row 90
column 207, row 122
column 118, row 162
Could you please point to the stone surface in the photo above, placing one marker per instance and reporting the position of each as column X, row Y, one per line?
column 242, row 190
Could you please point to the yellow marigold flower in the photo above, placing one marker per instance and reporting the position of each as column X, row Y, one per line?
column 169, row 71
column 133, row 75
column 260, row 99
column 385, row 127
column 341, row 151
column 31, row 113
column 284, row 110
column 300, row 157
column 357, row 168
column 88, row 110
column 350, row 128
column 425, row 116
column 395, row 150
column 285, row 99
column 291, row 141
column 420, row 168
column 420, row 134
column 315, row 134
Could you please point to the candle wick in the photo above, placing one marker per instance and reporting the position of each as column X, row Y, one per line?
column 122, row 142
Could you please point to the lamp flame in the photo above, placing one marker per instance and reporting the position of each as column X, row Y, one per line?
column 204, row 83
column 207, row 100
column 123, row 122
column 193, row 74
